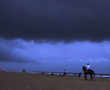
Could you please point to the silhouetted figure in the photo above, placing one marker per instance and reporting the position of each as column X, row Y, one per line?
column 64, row 74
column 23, row 70
column 52, row 74
column 79, row 75
column 88, row 71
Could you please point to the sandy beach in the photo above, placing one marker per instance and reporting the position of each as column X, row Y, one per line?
column 21, row 81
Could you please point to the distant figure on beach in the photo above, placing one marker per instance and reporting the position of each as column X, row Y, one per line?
column 2, row 69
column 88, row 71
column 79, row 75
column 64, row 74
column 52, row 74
column 23, row 70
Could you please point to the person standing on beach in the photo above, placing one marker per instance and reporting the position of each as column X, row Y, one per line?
column 88, row 71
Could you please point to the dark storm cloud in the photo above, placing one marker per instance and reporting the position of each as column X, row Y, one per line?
column 13, row 51
column 55, row 19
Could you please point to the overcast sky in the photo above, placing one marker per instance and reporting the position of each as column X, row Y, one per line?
column 70, row 30
column 55, row 19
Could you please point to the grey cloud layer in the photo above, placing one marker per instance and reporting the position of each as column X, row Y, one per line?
column 19, row 50
column 12, row 51
column 55, row 19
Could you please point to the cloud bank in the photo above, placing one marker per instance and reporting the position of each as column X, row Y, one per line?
column 20, row 50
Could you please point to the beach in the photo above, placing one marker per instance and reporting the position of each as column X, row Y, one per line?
column 24, row 81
